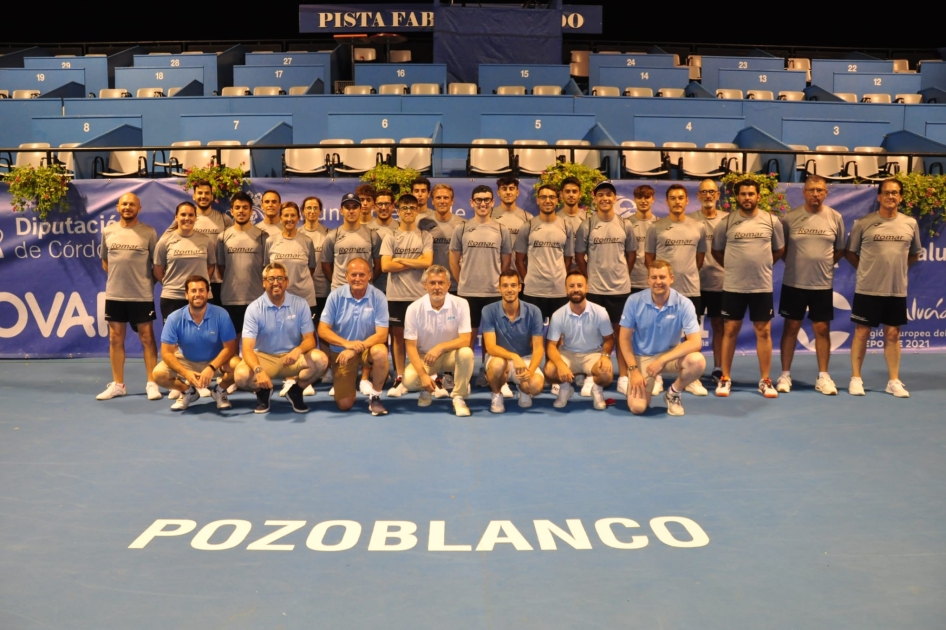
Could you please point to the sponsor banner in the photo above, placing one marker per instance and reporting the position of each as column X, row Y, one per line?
column 52, row 283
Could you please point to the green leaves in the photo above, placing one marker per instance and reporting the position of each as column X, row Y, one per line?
column 38, row 189
column 555, row 173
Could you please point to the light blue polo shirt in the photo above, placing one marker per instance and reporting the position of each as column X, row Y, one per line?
column 582, row 333
column 658, row 330
column 514, row 336
column 277, row 329
column 202, row 342
column 354, row 319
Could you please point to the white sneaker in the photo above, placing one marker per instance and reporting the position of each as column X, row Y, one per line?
column 151, row 388
column 365, row 387
column 112, row 390
column 565, row 391
column 856, row 386
column 459, row 407
column 597, row 394
column 784, row 383
column 696, row 388
column 440, row 391
column 496, row 404
column 622, row 385
column 658, row 385
column 188, row 397
column 554, row 389
column 398, row 390
column 826, row 386
column 525, row 400
column 896, row 388
column 331, row 392
column 174, row 394
column 674, row 406
column 308, row 391
column 505, row 391
column 204, row 392
column 447, row 380
column 220, row 396
column 327, row 377
column 286, row 384
column 586, row 387
column 579, row 381
column 424, row 400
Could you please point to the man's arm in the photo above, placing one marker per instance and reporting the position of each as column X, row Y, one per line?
column 636, row 382
column 462, row 341
column 413, row 356
column 719, row 256
column 700, row 259
column 493, row 349
column 631, row 258
column 777, row 254
column 538, row 352
column 252, row 362
column 521, row 266
column 855, row 259
column 158, row 272
column 607, row 345
column 911, row 259
column 455, row 265
column 838, row 255
column 506, row 260
column 328, row 270
column 332, row 338
column 649, row 258
column 105, row 265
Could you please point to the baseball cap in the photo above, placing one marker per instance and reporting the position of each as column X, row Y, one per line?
column 350, row 198
column 606, row 184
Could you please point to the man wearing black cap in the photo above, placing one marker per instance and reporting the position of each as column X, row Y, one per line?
column 610, row 245
column 348, row 241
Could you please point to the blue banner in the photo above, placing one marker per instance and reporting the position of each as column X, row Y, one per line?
column 52, row 283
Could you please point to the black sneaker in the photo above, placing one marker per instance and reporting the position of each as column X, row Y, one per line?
column 375, row 406
column 262, row 400
column 294, row 395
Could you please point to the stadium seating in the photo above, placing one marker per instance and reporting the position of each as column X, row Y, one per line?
column 533, row 161
column 236, row 90
column 462, row 88
column 123, row 164
column 268, row 90
column 639, row 92
column 647, row 164
column 511, row 90
column 547, row 90
column 425, row 88
column 417, row 158
column 484, row 161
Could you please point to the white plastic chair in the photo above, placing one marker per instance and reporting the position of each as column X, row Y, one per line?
column 605, row 90
column 67, row 158
column 533, row 161
column 234, row 158
column 361, row 159
column 174, row 90
column 802, row 157
column 462, row 88
column 730, row 94
column 695, row 63
column 868, row 164
column 908, row 99
column 25, row 94
column 32, row 157
column 639, row 92
column 791, row 95
column 268, row 90
column 181, row 159
column 671, row 92
column 642, row 163
column 425, row 88
column 235, row 90
column 359, row 89
column 760, row 95
column 392, row 88
column 702, row 165
column 488, row 161
column 365, row 54
column 674, row 156
column 589, row 157
column 511, row 90
column 848, row 97
column 831, row 167
column 113, row 93
column 902, row 65
column 800, row 63
column 154, row 92
column 124, row 164
column 579, row 63
column 315, row 161
column 400, row 56
column 546, row 90
column 298, row 90
column 876, row 98
column 417, row 158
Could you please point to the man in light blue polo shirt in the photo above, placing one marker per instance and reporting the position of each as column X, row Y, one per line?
column 580, row 340
column 279, row 342
column 197, row 339
column 512, row 337
column 355, row 326
column 651, row 326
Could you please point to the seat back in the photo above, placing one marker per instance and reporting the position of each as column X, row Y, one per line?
column 338, row 155
column 308, row 160
column 358, row 89
column 729, row 94
column 605, row 90
column 546, row 90
column 760, row 95
column 417, row 158
column 67, row 158
column 676, row 155
column 826, row 164
column 400, row 56
column 791, row 95
column 908, row 99
column 462, row 88
column 702, row 164
column 268, row 90
column 365, row 54
column 800, row 63
column 640, row 161
column 876, row 98
column 392, row 88
column 489, row 161
column 127, row 162
column 901, row 65
column 32, row 158
column 154, row 92
column 671, row 92
column 511, row 90
column 425, row 88
column 235, row 90
column 234, row 158
column 589, row 157
column 848, row 97
column 733, row 160
column 579, row 63
column 25, row 93
column 360, row 159
column 638, row 92
column 869, row 161
column 383, row 150
column 113, row 93
column 533, row 161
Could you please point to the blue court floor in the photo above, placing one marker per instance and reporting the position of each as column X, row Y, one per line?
column 802, row 512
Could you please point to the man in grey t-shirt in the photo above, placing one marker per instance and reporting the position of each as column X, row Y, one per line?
column 747, row 244
column 384, row 224
column 641, row 221
column 348, row 241
column 881, row 246
column 544, row 249
column 814, row 242
column 240, row 252
column 270, row 204
column 711, row 274
column 441, row 224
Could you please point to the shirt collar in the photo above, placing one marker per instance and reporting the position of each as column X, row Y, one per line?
column 447, row 303
column 269, row 303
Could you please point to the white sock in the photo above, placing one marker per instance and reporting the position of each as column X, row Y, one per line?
column 823, row 375
column 786, row 373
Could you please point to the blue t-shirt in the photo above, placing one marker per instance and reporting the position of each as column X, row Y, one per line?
column 581, row 333
column 354, row 319
column 658, row 330
column 277, row 329
column 514, row 336
column 199, row 343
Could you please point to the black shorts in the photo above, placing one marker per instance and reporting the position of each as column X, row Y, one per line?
column 477, row 304
column 613, row 304
column 396, row 313
column 760, row 305
column 216, row 288
column 792, row 304
column 236, row 312
column 547, row 305
column 133, row 313
column 874, row 310
column 697, row 304
column 712, row 303
column 169, row 305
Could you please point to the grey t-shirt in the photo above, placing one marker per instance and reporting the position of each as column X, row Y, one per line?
column 499, row 212
column 381, row 282
column 297, row 255
column 481, row 247
column 183, row 257
column 317, row 236
column 406, row 286
column 810, row 241
column 883, row 246
column 607, row 243
column 545, row 245
column 639, row 272
column 678, row 243
column 213, row 223
column 512, row 220
column 748, row 245
column 711, row 274
column 129, row 253
column 273, row 229
column 241, row 254
column 442, row 233
column 341, row 246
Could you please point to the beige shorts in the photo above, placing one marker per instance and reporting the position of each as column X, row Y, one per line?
column 580, row 362
column 673, row 367
column 345, row 377
column 162, row 368
column 272, row 364
column 512, row 377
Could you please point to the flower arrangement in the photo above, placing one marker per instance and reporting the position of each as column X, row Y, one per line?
column 38, row 189
column 771, row 199
column 397, row 179
column 588, row 177
column 224, row 180
column 924, row 196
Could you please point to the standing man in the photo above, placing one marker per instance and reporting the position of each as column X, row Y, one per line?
column 881, row 246
column 580, row 339
column 278, row 342
column 348, row 241
column 438, row 336
column 507, row 187
column 481, row 248
column 513, row 338
column 271, row 204
column 610, row 244
column 441, row 224
column 814, row 242
column 240, row 255
column 366, row 196
column 544, row 250
column 384, row 224
column 355, row 325
column 641, row 222
column 571, row 211
column 747, row 245
column 405, row 255
column 420, row 188
column 651, row 326
column 127, row 254
column 197, row 339
column 313, row 228
column 680, row 241
column 711, row 274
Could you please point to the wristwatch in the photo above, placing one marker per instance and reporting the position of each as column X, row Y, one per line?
column 257, row 369
column 631, row 368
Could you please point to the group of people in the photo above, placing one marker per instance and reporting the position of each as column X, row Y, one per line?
column 553, row 295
